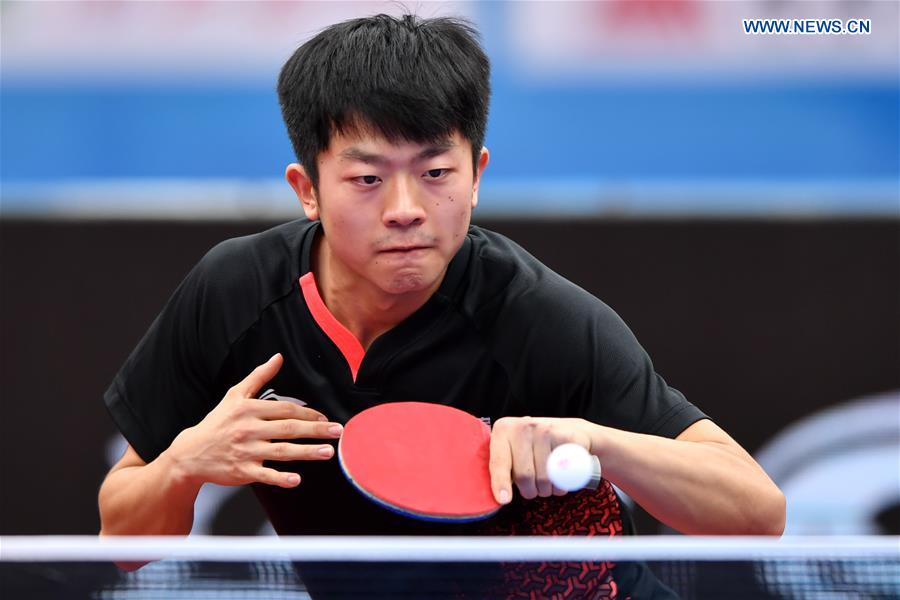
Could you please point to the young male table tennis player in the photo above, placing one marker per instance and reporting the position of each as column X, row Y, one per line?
column 385, row 292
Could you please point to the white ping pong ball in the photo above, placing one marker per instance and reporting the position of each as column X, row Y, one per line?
column 570, row 467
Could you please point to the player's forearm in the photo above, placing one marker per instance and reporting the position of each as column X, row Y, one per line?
column 694, row 487
column 152, row 499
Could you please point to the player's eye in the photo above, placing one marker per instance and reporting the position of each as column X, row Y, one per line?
column 435, row 173
column 366, row 180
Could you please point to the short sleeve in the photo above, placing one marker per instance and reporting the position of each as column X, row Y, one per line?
column 626, row 391
column 569, row 354
column 167, row 384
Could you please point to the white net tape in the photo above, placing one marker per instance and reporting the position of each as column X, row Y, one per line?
column 439, row 549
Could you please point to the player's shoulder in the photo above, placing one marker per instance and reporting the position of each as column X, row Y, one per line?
column 499, row 264
column 513, row 296
column 262, row 263
column 497, row 248
column 266, row 252
column 503, row 268
column 267, row 248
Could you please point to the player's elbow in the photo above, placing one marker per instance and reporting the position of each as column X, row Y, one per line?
column 125, row 565
column 770, row 514
column 779, row 513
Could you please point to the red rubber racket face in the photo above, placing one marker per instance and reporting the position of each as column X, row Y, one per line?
column 426, row 461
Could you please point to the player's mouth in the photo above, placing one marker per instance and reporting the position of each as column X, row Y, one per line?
column 404, row 250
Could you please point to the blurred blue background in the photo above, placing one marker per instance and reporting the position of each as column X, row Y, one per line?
column 619, row 107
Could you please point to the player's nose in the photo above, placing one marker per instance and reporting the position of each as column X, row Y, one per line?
column 403, row 206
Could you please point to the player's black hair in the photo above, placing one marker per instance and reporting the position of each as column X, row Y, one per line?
column 407, row 78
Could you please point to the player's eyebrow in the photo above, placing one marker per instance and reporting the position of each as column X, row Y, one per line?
column 435, row 149
column 360, row 155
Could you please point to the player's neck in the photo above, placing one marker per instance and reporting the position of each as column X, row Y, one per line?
column 363, row 308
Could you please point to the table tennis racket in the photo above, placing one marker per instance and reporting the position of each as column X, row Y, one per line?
column 427, row 461
column 431, row 461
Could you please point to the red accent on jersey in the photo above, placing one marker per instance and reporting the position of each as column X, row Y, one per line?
column 345, row 341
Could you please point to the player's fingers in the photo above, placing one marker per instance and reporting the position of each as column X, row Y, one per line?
column 273, row 477
column 286, row 451
column 501, row 468
column 521, row 444
column 291, row 429
column 258, row 377
column 557, row 439
column 285, row 409
column 541, row 441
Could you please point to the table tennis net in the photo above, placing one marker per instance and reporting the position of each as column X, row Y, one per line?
column 476, row 568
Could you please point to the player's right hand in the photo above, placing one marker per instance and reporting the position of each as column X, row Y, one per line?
column 229, row 445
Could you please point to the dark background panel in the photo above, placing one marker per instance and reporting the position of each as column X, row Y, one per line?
column 757, row 322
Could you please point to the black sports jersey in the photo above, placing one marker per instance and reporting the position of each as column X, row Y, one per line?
column 502, row 336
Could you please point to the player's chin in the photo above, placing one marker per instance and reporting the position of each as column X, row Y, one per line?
column 409, row 280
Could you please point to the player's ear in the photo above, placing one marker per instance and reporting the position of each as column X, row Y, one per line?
column 483, row 160
column 299, row 180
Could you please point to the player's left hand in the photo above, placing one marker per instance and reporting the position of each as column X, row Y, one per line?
column 519, row 450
